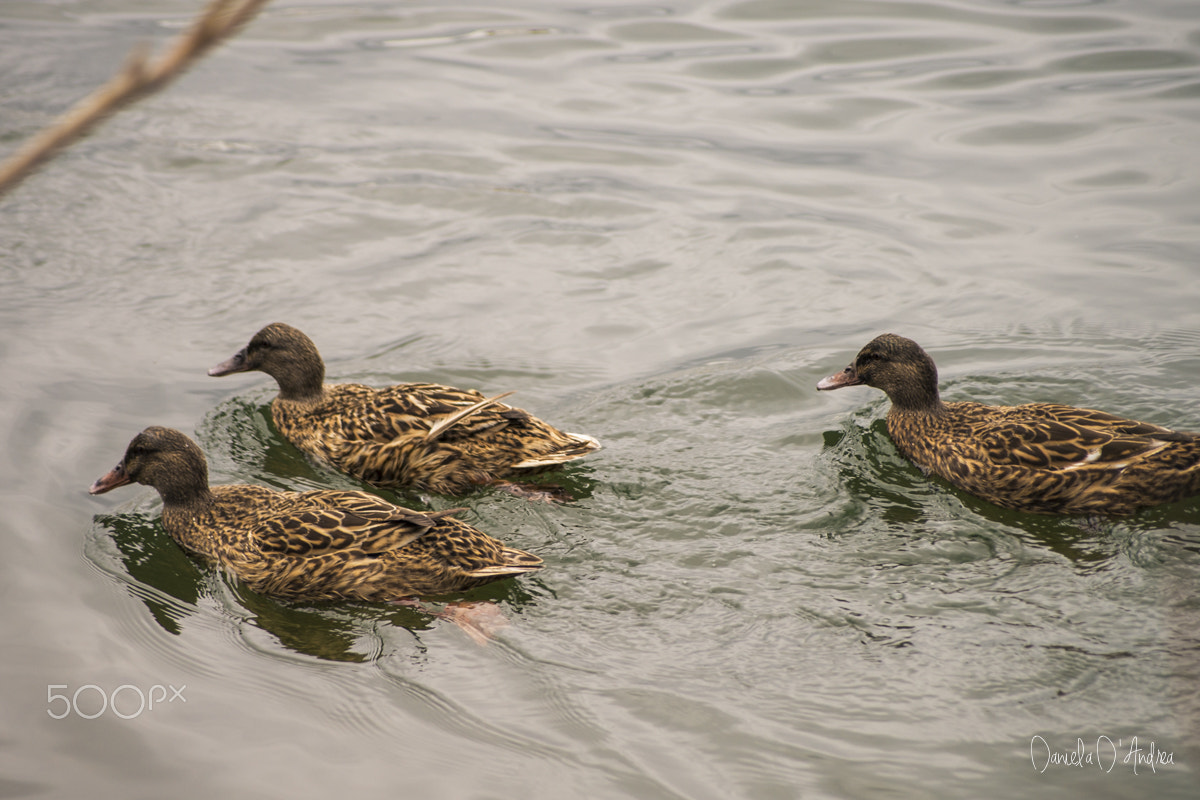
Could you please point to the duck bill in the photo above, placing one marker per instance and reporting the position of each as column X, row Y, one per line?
column 110, row 480
column 235, row 364
column 847, row 377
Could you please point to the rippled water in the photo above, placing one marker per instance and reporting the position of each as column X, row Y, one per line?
column 661, row 225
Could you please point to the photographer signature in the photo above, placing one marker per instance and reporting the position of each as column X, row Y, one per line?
column 1104, row 755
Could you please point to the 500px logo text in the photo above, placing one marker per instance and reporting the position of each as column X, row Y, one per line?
column 126, row 701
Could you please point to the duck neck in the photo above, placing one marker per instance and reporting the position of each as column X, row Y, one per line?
column 917, row 398
column 307, row 394
column 302, row 385
column 186, row 496
column 183, row 512
column 913, row 388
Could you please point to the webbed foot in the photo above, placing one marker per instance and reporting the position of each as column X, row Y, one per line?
column 542, row 493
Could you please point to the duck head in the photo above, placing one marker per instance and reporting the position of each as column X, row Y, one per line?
column 284, row 353
column 162, row 458
column 898, row 366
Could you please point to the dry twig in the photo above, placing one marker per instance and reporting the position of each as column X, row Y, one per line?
column 139, row 78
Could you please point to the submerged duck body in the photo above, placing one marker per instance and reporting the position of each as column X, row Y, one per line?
column 423, row 435
column 1040, row 457
column 315, row 545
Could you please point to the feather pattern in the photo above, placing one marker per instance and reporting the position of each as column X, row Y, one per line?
column 1039, row 457
column 423, row 435
column 315, row 545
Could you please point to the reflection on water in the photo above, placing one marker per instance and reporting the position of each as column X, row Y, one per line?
column 165, row 579
column 662, row 225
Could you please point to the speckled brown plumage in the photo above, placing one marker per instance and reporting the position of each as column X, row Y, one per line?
column 414, row 434
column 316, row 545
column 1040, row 457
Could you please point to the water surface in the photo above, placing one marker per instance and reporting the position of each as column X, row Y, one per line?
column 661, row 225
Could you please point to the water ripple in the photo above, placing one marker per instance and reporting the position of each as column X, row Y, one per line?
column 662, row 224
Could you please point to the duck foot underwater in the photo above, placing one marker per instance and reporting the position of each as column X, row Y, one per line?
column 479, row 619
column 537, row 492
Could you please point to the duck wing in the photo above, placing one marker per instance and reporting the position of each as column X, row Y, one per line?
column 366, row 505
column 414, row 411
column 1102, row 421
column 457, row 417
column 1057, row 437
column 319, row 522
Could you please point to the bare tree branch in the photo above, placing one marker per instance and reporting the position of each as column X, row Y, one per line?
column 139, row 78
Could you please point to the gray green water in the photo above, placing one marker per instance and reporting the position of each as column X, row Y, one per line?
column 661, row 224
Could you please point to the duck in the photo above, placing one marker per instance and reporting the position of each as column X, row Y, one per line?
column 1045, row 458
column 421, row 435
column 319, row 545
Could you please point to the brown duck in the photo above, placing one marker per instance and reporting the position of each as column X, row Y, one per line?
column 316, row 545
column 1041, row 457
column 423, row 435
